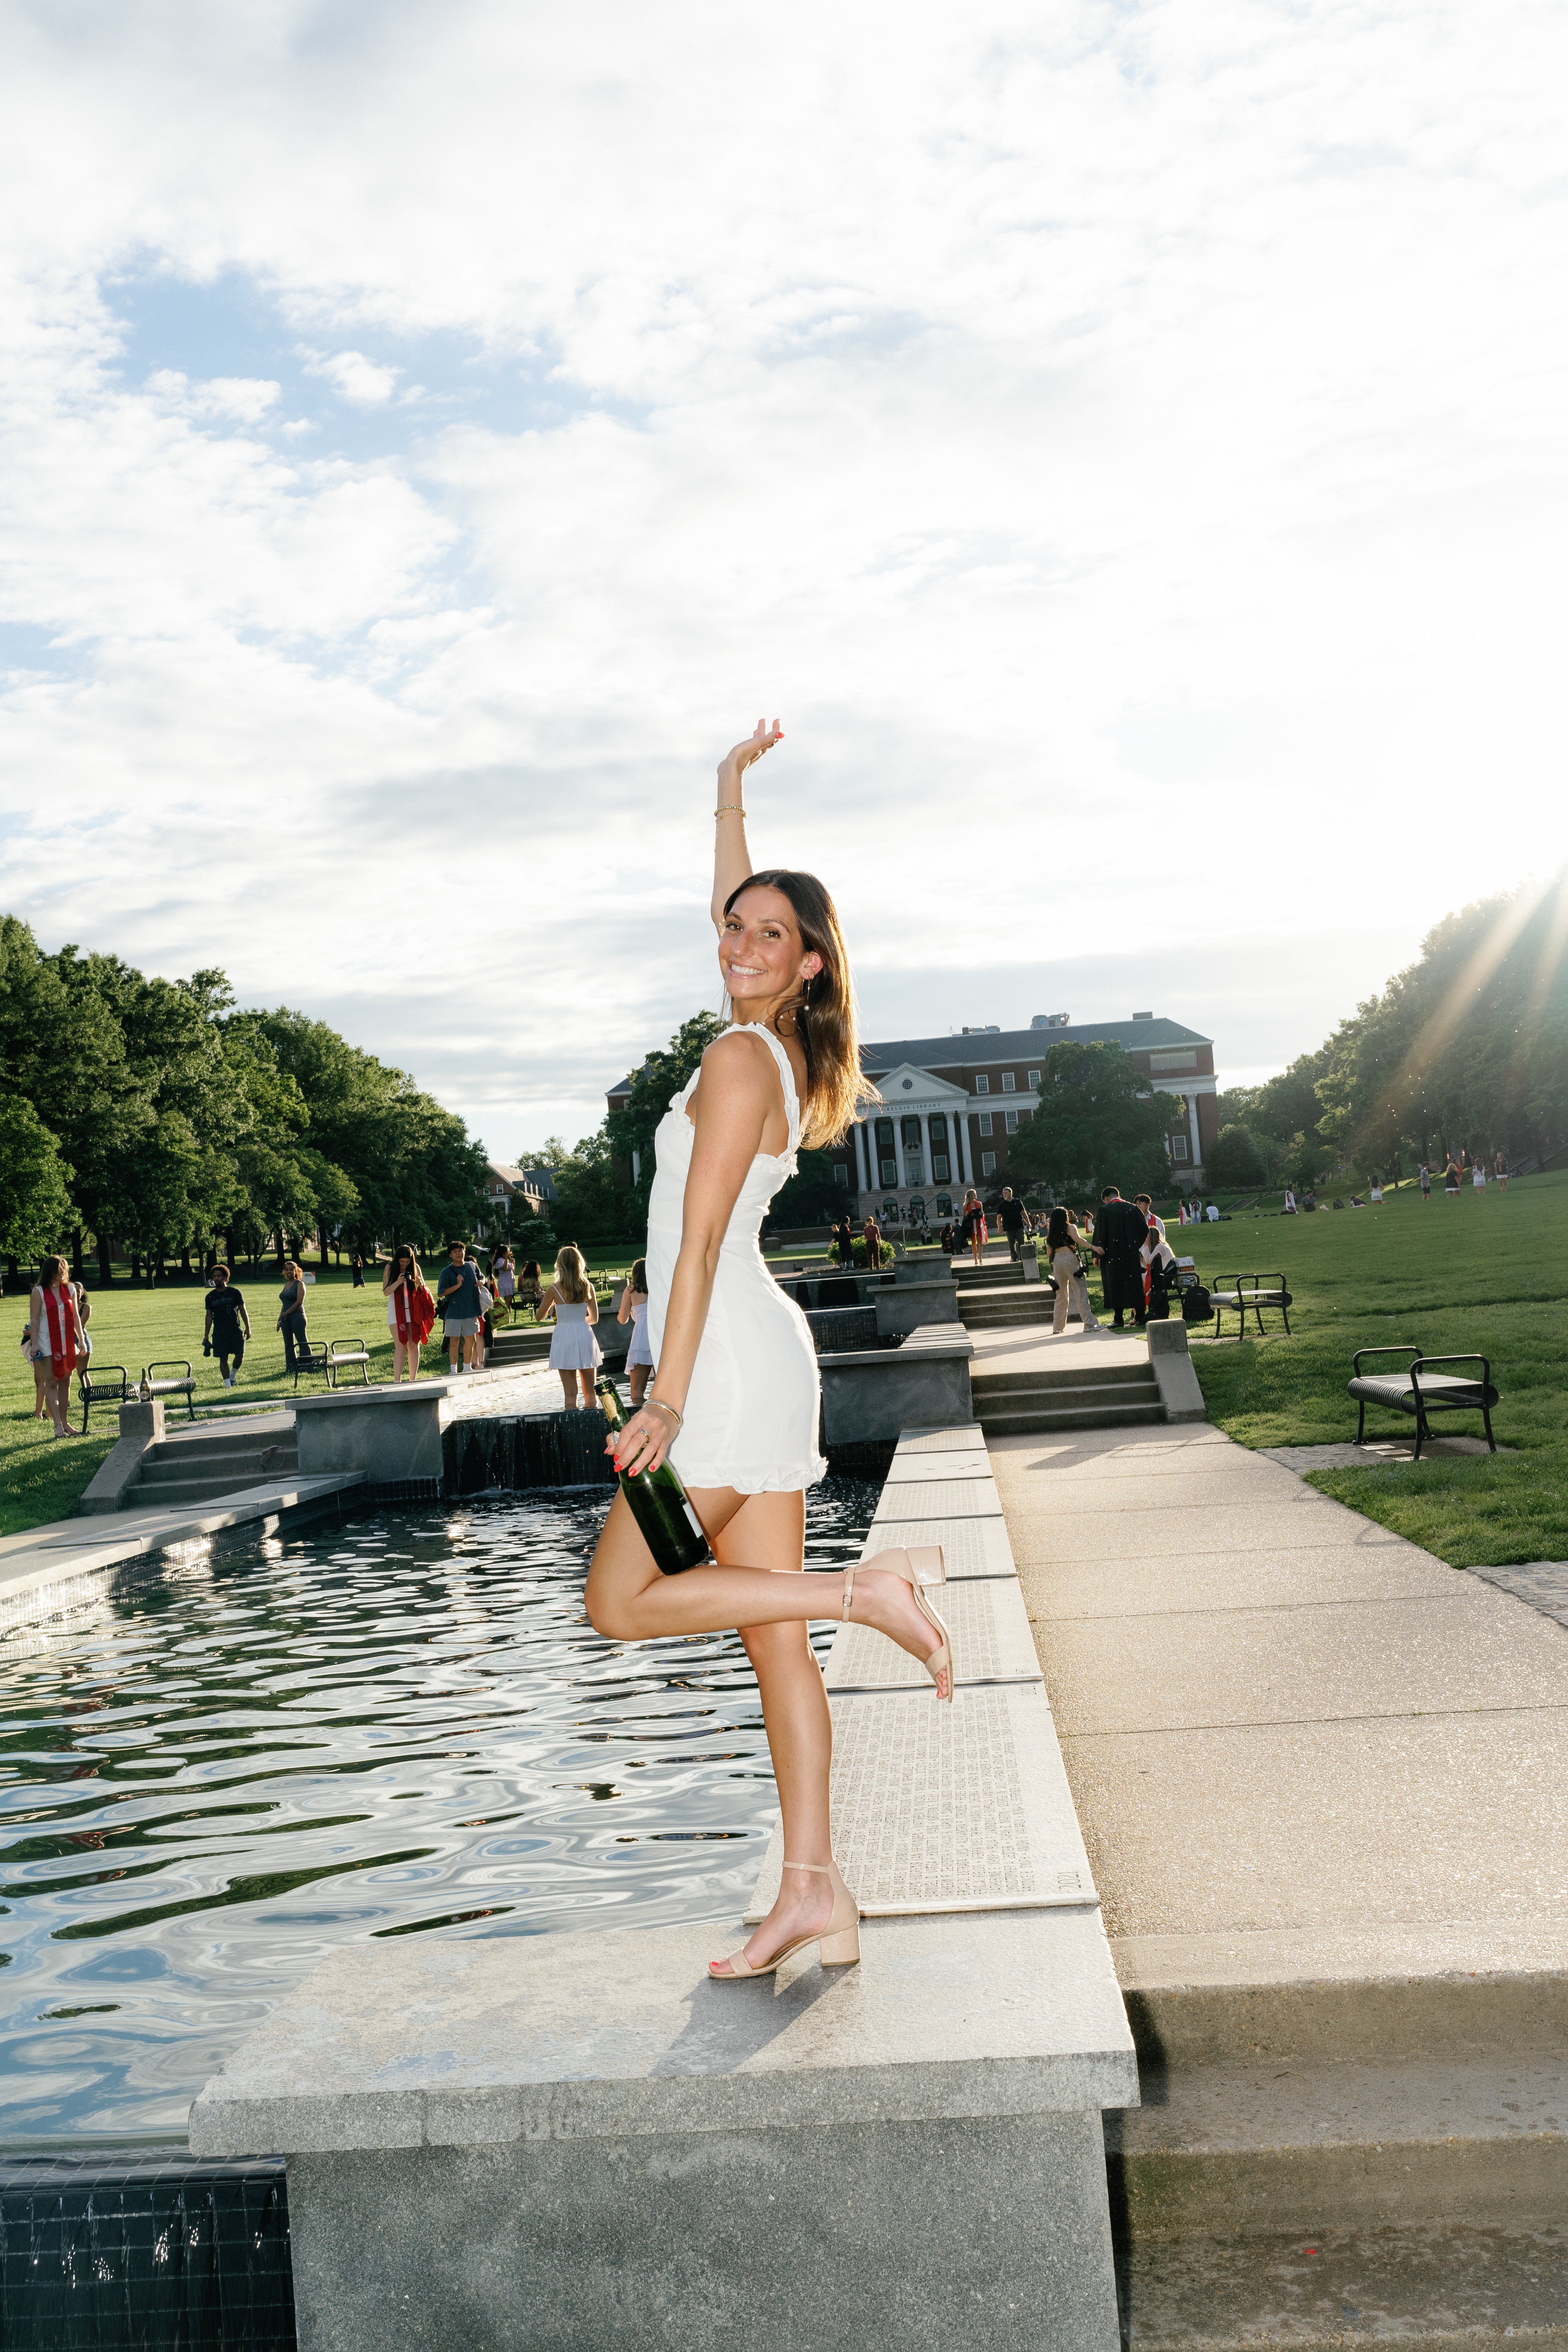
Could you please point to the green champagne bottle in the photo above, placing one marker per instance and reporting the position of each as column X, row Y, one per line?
column 670, row 1527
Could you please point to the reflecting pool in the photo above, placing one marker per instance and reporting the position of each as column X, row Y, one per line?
column 403, row 1725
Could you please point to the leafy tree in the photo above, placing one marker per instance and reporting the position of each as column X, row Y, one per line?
column 809, row 1197
column 36, row 1209
column 1237, row 1162
column 1096, row 1125
column 62, row 1049
column 1469, row 1046
column 591, row 1203
column 631, row 1131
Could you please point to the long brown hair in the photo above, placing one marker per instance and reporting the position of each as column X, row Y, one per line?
column 823, row 1013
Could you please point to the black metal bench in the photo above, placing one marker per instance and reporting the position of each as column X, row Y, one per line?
column 313, row 1355
column 1256, row 1291
column 103, row 1384
column 184, row 1386
column 1422, row 1390
column 346, row 1353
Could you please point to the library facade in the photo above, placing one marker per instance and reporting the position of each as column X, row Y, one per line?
column 950, row 1105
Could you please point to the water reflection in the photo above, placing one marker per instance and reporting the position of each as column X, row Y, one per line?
column 403, row 1725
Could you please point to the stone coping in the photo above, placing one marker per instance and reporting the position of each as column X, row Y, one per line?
column 417, row 1391
column 942, row 1339
column 66, row 1550
column 620, row 2034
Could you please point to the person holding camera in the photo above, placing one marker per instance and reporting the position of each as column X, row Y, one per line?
column 410, row 1311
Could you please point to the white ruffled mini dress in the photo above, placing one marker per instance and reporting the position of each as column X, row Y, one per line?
column 753, row 1407
column 574, row 1347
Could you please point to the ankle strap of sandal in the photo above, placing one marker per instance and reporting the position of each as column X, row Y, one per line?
column 823, row 1869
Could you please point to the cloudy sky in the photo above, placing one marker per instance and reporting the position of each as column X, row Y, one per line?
column 1122, row 443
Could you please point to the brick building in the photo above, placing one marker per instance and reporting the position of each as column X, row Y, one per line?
column 949, row 1104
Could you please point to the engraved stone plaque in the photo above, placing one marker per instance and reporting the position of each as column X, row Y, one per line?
column 991, row 1641
column 944, row 1499
column 969, row 1547
column 961, row 1808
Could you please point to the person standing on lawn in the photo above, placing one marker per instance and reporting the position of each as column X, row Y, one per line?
column 1068, row 1250
column 358, row 1271
column 1120, row 1231
column 292, row 1318
column 226, row 1325
column 410, row 1311
column 457, row 1298
column 972, row 1222
column 1425, row 1184
column 1500, row 1170
column 844, row 1241
column 55, row 1329
column 1015, row 1220
column 873, row 1232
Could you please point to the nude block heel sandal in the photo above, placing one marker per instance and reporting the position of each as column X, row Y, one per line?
column 837, row 1944
column 914, row 1567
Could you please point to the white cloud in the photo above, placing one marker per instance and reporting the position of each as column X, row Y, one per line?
column 246, row 399
column 354, row 377
column 1124, row 445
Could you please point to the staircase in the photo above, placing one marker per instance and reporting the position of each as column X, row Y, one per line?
column 1081, row 1394
column 526, row 1343
column 196, row 1469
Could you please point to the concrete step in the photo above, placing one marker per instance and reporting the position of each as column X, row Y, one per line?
column 1346, row 2163
column 162, row 1464
column 1017, row 1419
column 166, row 1495
column 970, row 1276
column 201, row 1443
column 1076, row 1373
column 1029, row 1306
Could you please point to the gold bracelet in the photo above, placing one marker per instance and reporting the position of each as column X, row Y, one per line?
column 729, row 808
column 674, row 1408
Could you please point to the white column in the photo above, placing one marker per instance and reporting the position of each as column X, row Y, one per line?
column 859, row 1132
column 1192, row 1118
column 928, row 1179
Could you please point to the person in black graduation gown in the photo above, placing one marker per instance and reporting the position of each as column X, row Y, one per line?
column 1120, row 1231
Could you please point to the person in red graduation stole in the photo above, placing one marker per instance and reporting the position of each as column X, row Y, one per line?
column 55, row 1330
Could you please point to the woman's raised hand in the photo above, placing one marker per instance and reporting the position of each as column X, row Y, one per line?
column 735, row 763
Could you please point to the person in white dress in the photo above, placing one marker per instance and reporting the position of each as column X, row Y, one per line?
column 575, row 1352
column 734, row 1397
column 632, row 1309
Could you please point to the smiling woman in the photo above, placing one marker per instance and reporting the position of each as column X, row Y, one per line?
column 734, row 1397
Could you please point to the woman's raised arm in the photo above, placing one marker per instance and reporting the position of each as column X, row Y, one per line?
column 732, row 859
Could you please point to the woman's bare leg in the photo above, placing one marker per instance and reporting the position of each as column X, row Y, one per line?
column 640, row 1383
column 569, row 1389
column 586, row 1383
column 769, row 1530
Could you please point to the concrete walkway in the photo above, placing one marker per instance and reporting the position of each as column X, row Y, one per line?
column 1319, row 1777
column 1035, row 1348
column 1294, row 1738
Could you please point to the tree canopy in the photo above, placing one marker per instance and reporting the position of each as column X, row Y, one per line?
column 1467, row 1048
column 1096, row 1124
column 152, row 1113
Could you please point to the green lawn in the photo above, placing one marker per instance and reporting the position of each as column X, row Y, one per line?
column 42, row 1478
column 1487, row 1274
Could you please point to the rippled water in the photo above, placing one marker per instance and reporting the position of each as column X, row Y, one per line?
column 402, row 1726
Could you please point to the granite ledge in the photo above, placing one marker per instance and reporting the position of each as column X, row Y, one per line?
column 619, row 2035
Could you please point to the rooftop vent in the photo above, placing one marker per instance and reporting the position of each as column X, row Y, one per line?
column 1050, row 1021
column 982, row 1029
column 1142, row 1016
